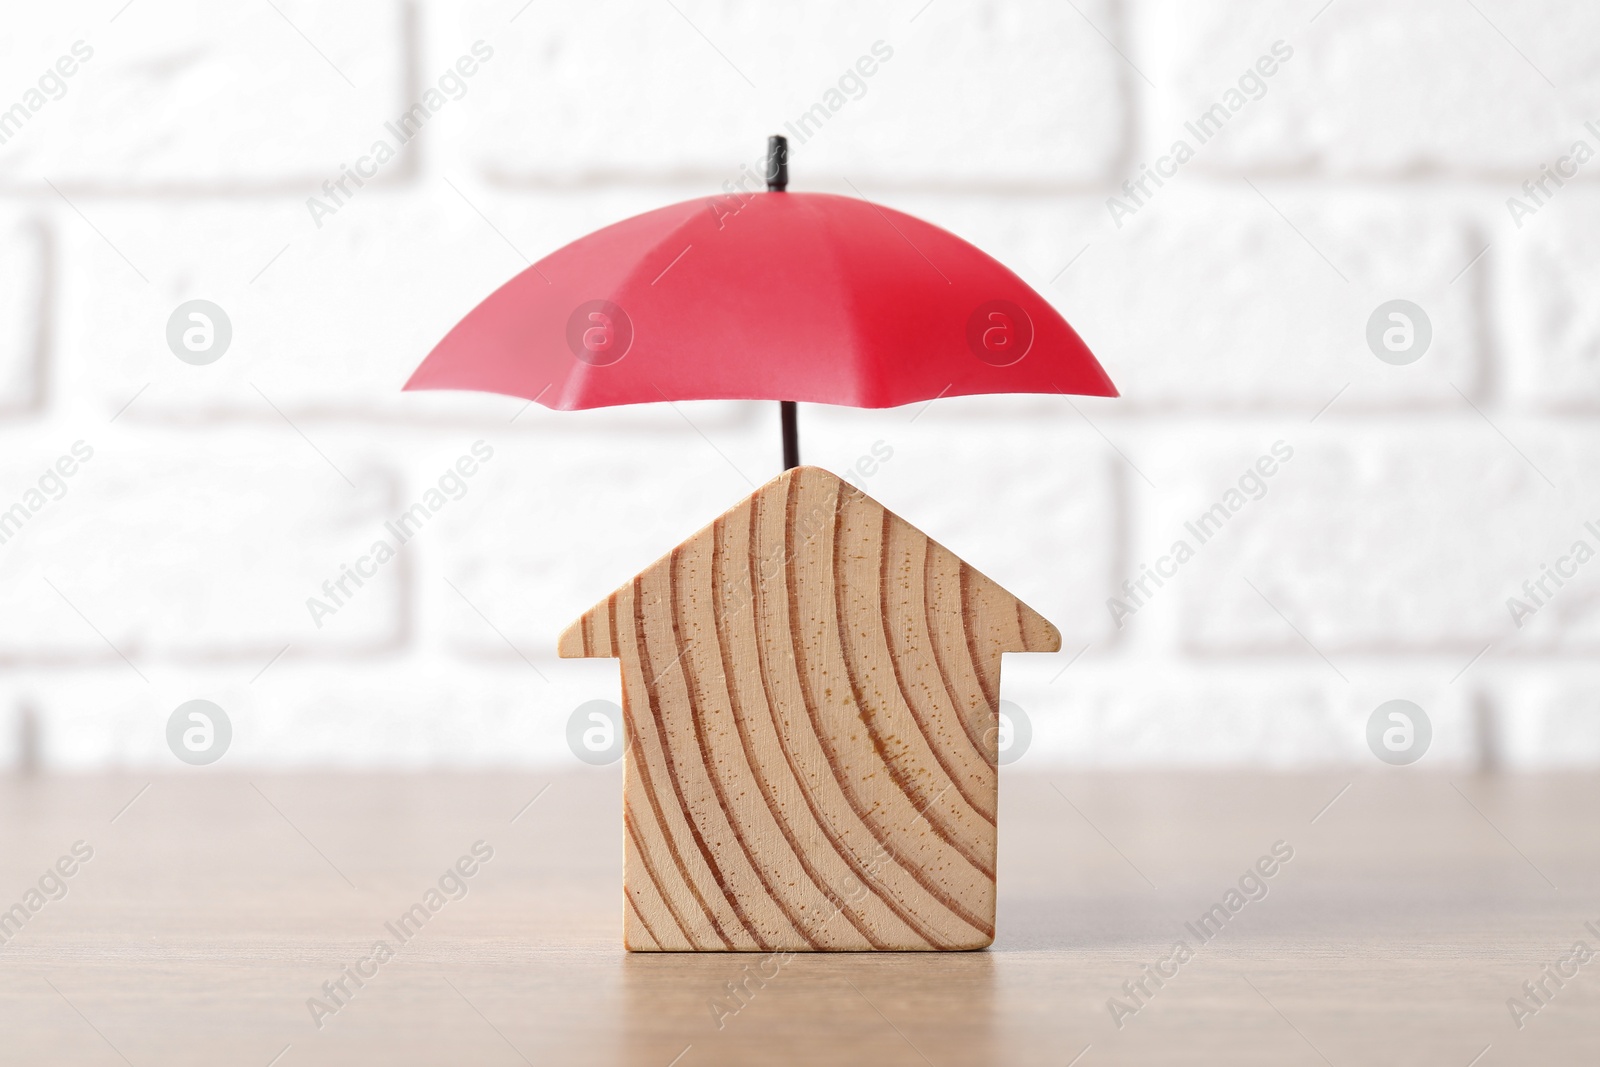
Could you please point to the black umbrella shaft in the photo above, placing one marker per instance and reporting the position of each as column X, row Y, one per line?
column 777, row 182
column 791, row 435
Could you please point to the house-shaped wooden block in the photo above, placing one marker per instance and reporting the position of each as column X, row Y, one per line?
column 811, row 688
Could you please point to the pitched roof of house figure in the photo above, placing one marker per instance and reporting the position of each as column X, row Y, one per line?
column 811, row 687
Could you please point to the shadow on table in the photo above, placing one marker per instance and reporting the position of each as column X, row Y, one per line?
column 821, row 1007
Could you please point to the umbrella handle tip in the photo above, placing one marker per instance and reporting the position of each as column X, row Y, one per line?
column 777, row 163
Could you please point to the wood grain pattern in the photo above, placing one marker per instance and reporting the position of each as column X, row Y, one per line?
column 811, row 689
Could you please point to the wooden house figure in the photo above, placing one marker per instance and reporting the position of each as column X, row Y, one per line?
column 811, row 688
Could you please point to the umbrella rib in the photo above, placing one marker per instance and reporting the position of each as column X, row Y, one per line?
column 836, row 254
column 703, row 437
column 897, row 229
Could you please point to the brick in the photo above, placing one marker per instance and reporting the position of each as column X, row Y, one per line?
column 553, row 528
column 556, row 525
column 186, row 546
column 1396, row 542
column 1546, row 718
column 1036, row 235
column 426, row 712
column 1374, row 88
column 22, row 311
column 1113, row 712
column 197, row 97
column 333, row 326
column 421, row 712
column 1392, row 540
column 430, row 712
column 1208, row 298
column 1553, row 334
column 94, row 717
column 1034, row 504
column 657, row 75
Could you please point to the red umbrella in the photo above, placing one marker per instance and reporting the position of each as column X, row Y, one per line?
column 764, row 296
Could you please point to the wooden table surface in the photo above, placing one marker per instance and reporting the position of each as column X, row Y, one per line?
column 216, row 905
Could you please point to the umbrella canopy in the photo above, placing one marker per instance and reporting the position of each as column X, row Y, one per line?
column 764, row 296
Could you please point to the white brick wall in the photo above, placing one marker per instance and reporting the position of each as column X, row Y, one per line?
column 183, row 96
column 1378, row 89
column 1552, row 327
column 1230, row 305
column 1234, row 310
column 1014, row 94
column 23, row 264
